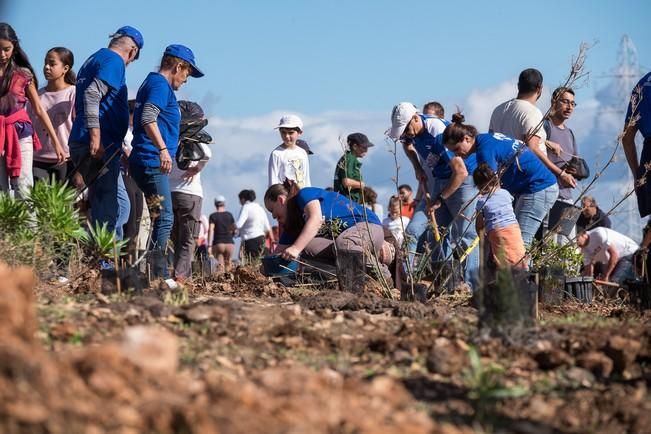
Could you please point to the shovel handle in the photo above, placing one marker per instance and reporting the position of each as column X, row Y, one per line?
column 435, row 226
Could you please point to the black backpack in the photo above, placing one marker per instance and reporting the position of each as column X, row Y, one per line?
column 191, row 134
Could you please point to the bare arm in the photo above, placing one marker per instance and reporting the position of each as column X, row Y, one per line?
column 628, row 140
column 152, row 131
column 565, row 178
column 411, row 153
column 612, row 262
column 32, row 95
column 352, row 183
column 314, row 218
column 459, row 174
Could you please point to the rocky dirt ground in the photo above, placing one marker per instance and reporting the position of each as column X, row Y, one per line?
column 246, row 355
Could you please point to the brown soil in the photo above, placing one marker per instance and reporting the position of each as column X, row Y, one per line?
column 245, row 355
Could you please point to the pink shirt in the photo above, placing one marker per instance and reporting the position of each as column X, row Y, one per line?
column 60, row 108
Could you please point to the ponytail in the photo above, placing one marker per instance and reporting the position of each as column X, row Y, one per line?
column 457, row 130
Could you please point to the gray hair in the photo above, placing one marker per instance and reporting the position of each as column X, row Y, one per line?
column 121, row 41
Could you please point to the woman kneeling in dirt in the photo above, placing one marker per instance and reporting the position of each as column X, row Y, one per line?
column 323, row 224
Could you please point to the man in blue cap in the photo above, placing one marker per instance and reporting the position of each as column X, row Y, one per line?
column 156, row 124
column 102, row 120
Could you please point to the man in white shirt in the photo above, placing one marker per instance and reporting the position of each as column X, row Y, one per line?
column 520, row 119
column 607, row 247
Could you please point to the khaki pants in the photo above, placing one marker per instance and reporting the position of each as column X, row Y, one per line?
column 187, row 220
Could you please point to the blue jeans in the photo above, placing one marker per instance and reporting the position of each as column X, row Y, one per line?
column 103, row 189
column 124, row 208
column 531, row 208
column 154, row 183
column 461, row 226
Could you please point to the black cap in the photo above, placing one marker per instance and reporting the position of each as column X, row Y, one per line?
column 303, row 144
column 359, row 139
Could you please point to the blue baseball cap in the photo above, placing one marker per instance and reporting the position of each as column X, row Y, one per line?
column 134, row 34
column 184, row 53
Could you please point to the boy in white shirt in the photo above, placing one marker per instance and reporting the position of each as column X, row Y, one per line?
column 289, row 161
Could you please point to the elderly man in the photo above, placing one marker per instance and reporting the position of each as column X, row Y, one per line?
column 591, row 216
column 606, row 246
column 102, row 121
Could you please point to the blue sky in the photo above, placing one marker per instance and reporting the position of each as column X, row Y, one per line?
column 342, row 65
column 361, row 55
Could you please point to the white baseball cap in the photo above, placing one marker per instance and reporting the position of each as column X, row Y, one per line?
column 290, row 121
column 401, row 115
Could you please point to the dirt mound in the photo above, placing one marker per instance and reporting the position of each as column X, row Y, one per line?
column 132, row 386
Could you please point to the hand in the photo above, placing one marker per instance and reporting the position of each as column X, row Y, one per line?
column 189, row 174
column 554, row 147
column 567, row 180
column 165, row 161
column 290, row 253
column 96, row 150
column 61, row 157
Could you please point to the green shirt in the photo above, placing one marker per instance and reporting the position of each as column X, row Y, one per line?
column 348, row 167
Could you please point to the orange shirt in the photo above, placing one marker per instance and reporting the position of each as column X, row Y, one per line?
column 407, row 210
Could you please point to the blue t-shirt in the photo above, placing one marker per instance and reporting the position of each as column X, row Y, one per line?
column 643, row 108
column 525, row 174
column 108, row 66
column 497, row 209
column 334, row 206
column 157, row 91
column 430, row 147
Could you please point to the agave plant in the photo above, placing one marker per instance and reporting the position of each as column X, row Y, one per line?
column 102, row 242
column 52, row 205
column 14, row 215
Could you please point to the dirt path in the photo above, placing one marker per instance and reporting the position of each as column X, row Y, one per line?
column 256, row 357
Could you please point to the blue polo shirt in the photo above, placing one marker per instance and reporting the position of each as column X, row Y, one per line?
column 429, row 145
column 109, row 67
column 643, row 108
column 157, row 91
column 525, row 174
column 334, row 206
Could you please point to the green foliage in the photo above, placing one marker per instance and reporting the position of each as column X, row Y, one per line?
column 14, row 214
column 42, row 229
column 552, row 255
column 331, row 228
column 102, row 243
column 53, row 213
column 485, row 384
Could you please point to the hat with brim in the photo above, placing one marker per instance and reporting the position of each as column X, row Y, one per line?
column 133, row 33
column 359, row 139
column 290, row 121
column 401, row 115
column 184, row 53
